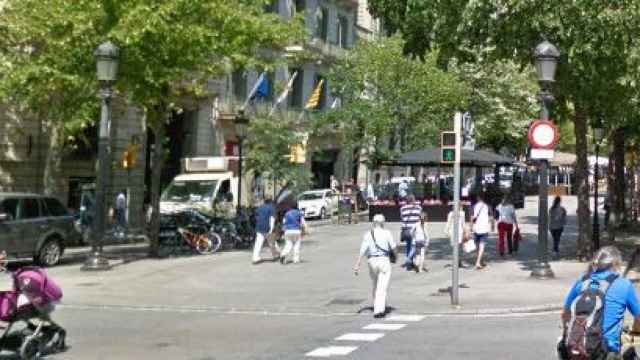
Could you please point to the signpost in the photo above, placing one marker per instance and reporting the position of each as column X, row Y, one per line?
column 457, row 126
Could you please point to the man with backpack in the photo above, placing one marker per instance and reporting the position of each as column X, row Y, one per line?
column 594, row 310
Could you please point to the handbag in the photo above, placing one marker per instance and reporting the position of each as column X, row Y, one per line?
column 390, row 252
column 469, row 246
column 517, row 237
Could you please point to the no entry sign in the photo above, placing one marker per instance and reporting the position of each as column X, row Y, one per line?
column 543, row 134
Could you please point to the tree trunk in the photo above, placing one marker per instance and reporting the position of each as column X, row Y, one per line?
column 619, row 206
column 610, row 199
column 156, row 177
column 53, row 161
column 582, row 184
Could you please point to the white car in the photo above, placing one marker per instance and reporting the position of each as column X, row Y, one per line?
column 318, row 203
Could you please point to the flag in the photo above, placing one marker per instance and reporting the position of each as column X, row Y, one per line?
column 260, row 89
column 284, row 93
column 314, row 99
column 336, row 102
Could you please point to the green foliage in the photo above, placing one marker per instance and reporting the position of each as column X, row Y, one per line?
column 503, row 102
column 599, row 49
column 46, row 59
column 388, row 95
column 269, row 151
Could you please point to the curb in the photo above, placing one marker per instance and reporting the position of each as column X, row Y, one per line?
column 526, row 310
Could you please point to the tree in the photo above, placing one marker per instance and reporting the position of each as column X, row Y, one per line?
column 48, row 70
column 169, row 49
column 181, row 45
column 595, row 39
column 390, row 102
column 269, row 151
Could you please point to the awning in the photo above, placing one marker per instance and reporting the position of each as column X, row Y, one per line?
column 432, row 157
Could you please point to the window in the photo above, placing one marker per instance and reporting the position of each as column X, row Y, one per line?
column 271, row 7
column 10, row 207
column 239, row 80
column 30, row 209
column 322, row 23
column 54, row 207
column 224, row 193
column 300, row 5
column 296, row 94
column 343, row 32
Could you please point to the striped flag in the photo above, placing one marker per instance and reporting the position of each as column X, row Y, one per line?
column 314, row 99
column 285, row 93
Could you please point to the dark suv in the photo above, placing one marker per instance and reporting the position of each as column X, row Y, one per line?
column 35, row 226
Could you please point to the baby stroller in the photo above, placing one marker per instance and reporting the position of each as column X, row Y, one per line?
column 26, row 309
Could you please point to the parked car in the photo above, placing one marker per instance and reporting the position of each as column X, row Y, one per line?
column 318, row 203
column 35, row 226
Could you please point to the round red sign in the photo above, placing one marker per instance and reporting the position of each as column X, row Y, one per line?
column 543, row 134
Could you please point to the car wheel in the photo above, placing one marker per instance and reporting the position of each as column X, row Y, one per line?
column 323, row 213
column 50, row 252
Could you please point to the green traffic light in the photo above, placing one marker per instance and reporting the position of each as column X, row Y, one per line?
column 448, row 155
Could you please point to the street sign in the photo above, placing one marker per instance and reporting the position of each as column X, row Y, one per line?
column 448, row 147
column 543, row 134
column 540, row 154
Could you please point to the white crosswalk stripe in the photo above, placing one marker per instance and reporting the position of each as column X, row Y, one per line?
column 360, row 337
column 331, row 351
column 384, row 327
column 407, row 318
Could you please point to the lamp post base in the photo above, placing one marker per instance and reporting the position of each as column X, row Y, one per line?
column 542, row 271
column 96, row 262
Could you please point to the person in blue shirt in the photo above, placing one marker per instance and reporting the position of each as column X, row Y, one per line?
column 292, row 224
column 265, row 223
column 621, row 296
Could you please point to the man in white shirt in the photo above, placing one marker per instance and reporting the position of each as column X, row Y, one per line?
column 376, row 245
column 481, row 228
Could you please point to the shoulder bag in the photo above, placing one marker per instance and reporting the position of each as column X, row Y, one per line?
column 390, row 252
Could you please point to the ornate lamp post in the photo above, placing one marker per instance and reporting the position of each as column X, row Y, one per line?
column 598, row 135
column 241, row 124
column 107, row 68
column 546, row 59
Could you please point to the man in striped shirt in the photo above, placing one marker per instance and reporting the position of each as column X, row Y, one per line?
column 410, row 216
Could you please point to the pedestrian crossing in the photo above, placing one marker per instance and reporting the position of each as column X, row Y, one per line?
column 391, row 323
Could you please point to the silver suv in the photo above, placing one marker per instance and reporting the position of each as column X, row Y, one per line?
column 35, row 226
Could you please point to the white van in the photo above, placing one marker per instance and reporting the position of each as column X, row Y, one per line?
column 204, row 183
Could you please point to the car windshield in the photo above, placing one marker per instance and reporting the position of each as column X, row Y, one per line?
column 184, row 191
column 310, row 196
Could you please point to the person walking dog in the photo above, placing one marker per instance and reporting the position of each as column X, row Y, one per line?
column 377, row 246
column 265, row 223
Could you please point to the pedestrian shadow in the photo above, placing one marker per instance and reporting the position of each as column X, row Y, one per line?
column 369, row 309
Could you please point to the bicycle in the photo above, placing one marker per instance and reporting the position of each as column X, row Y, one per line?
column 202, row 240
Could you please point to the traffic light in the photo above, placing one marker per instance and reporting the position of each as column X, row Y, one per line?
column 448, row 147
column 129, row 157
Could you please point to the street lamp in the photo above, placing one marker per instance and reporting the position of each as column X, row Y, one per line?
column 598, row 135
column 241, row 124
column 107, row 68
column 546, row 60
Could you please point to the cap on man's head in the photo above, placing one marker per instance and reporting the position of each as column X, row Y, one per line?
column 378, row 218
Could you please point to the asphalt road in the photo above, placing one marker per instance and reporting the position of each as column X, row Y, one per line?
column 222, row 307
column 126, row 334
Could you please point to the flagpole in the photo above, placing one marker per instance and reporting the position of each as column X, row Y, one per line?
column 254, row 90
column 284, row 93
